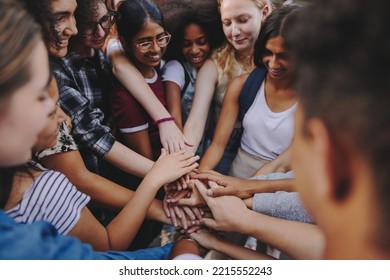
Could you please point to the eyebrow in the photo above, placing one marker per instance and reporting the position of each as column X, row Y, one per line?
column 150, row 37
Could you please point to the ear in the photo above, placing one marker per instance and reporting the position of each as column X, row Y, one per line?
column 334, row 157
column 265, row 12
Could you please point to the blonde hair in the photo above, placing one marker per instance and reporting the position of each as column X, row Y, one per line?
column 225, row 55
column 18, row 35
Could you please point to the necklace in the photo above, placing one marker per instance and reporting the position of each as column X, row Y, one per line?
column 246, row 62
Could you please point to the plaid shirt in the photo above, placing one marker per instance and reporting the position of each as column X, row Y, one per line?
column 81, row 85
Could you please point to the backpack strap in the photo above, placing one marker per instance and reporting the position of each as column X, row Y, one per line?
column 249, row 90
column 187, row 77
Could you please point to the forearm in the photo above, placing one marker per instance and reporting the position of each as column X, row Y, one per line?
column 285, row 205
column 128, row 160
column 211, row 157
column 123, row 228
column 279, row 164
column 295, row 239
column 269, row 186
column 193, row 131
column 135, row 83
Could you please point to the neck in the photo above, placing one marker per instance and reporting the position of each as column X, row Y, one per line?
column 285, row 85
column 146, row 71
column 245, row 59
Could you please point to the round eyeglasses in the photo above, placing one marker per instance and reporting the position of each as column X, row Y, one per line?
column 106, row 22
column 161, row 41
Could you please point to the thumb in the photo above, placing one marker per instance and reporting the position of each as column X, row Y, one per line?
column 163, row 153
column 213, row 185
column 202, row 190
column 218, row 192
column 210, row 223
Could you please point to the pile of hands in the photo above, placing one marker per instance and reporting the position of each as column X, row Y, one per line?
column 184, row 204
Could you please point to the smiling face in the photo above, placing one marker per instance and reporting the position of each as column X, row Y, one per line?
column 276, row 59
column 96, row 35
column 63, row 11
column 151, row 32
column 196, row 48
column 26, row 112
column 241, row 22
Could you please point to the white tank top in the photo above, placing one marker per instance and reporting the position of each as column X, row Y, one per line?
column 267, row 134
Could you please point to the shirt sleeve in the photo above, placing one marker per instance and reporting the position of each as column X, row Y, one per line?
column 88, row 130
column 285, row 205
column 173, row 71
column 51, row 198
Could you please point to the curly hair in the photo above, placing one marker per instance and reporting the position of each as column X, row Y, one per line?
column 86, row 12
column 41, row 10
column 210, row 25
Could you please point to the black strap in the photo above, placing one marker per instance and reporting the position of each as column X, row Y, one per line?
column 249, row 90
column 187, row 78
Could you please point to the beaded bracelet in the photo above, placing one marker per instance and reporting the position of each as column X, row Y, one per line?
column 164, row 120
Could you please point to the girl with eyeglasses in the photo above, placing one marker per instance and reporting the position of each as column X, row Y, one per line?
column 144, row 39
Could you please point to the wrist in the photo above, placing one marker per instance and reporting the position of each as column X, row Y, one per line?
column 164, row 120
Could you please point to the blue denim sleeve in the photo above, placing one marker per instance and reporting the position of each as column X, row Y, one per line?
column 40, row 241
column 157, row 253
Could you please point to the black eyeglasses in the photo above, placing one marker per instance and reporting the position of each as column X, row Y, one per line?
column 161, row 41
column 106, row 22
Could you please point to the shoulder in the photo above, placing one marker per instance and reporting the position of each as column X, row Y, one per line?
column 173, row 65
column 238, row 82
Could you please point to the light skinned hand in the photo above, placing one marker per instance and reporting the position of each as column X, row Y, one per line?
column 195, row 199
column 231, row 186
column 172, row 138
column 228, row 211
column 205, row 238
column 170, row 167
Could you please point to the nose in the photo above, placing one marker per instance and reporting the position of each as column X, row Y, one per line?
column 274, row 62
column 100, row 31
column 71, row 28
column 155, row 47
column 195, row 49
column 235, row 30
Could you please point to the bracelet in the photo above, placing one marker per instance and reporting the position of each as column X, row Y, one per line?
column 164, row 120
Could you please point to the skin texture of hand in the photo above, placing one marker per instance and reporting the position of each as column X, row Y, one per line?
column 210, row 240
column 231, row 185
column 193, row 199
column 227, row 210
column 170, row 167
column 188, row 215
column 242, row 188
column 172, row 138
column 205, row 238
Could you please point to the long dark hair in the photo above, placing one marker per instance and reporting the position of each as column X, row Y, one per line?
column 273, row 26
column 133, row 16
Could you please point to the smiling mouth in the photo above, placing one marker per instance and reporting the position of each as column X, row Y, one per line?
column 196, row 59
column 64, row 43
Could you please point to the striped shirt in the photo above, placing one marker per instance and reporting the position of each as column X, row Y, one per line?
column 51, row 198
